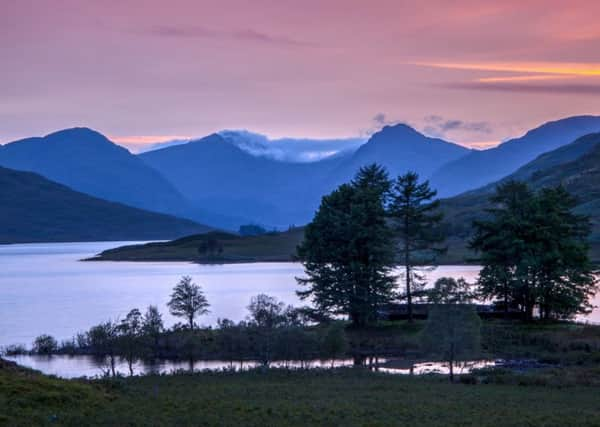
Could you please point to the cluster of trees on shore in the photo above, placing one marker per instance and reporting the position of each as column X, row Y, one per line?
column 533, row 249
column 272, row 331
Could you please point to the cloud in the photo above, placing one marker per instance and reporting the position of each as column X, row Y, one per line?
column 290, row 149
column 438, row 127
column 557, row 68
column 547, row 88
column 248, row 35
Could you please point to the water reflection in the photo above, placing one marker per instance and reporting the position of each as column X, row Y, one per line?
column 65, row 366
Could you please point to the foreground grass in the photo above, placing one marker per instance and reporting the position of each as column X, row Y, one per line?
column 280, row 398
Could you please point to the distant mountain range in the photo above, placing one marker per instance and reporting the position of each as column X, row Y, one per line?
column 217, row 174
column 34, row 209
column 482, row 167
column 232, row 177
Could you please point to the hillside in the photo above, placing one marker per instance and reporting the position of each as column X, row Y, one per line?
column 228, row 248
column 35, row 209
column 87, row 161
column 479, row 168
column 576, row 166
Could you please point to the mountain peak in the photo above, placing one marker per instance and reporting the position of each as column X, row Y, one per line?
column 76, row 134
column 397, row 130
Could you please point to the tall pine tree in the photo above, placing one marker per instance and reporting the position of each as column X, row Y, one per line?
column 416, row 223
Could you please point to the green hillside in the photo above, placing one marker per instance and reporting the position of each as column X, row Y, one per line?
column 34, row 209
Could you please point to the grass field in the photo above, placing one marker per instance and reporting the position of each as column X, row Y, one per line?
column 280, row 398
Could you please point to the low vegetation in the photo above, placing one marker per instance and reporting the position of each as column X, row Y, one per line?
column 287, row 398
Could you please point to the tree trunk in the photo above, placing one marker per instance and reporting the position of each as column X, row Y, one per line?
column 408, row 292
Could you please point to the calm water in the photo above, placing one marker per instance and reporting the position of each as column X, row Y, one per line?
column 89, row 366
column 44, row 288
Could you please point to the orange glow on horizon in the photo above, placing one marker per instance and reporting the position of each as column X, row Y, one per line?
column 559, row 68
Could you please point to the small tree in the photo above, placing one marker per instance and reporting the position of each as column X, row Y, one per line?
column 130, row 330
column 448, row 290
column 266, row 311
column 188, row 301
column 334, row 342
column 416, row 224
column 266, row 314
column 45, row 344
column 452, row 333
column 152, row 326
column 103, row 340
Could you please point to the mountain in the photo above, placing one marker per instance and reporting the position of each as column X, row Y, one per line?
column 576, row 166
column 35, row 209
column 215, row 173
column 221, row 174
column 87, row 161
column 482, row 167
column 401, row 148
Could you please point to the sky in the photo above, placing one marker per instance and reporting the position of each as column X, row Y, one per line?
column 141, row 72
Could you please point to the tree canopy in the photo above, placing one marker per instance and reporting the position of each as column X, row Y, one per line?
column 534, row 252
column 348, row 251
column 188, row 300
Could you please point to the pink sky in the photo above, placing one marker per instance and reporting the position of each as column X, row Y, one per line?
column 475, row 72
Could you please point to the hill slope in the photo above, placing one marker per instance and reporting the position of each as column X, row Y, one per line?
column 576, row 166
column 34, row 209
column 87, row 161
column 482, row 167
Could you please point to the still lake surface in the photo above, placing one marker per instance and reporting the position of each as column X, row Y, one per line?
column 45, row 288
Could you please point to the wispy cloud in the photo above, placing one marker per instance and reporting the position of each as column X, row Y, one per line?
column 249, row 35
column 559, row 68
column 438, row 126
column 567, row 89
column 532, row 77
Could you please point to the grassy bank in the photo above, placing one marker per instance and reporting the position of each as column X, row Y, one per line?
column 333, row 398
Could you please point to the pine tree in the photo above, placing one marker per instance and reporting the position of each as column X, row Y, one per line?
column 417, row 226
column 534, row 252
column 347, row 251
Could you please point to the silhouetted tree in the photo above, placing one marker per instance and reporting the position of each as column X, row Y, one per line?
column 130, row 330
column 348, row 252
column 534, row 252
column 448, row 290
column 452, row 332
column 416, row 225
column 152, row 326
column 188, row 301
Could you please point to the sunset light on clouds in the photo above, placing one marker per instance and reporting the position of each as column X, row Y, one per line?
column 151, row 71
